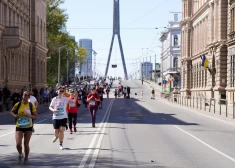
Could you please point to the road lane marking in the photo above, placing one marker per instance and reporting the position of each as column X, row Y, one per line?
column 163, row 118
column 88, row 152
column 97, row 149
column 14, row 131
column 204, row 143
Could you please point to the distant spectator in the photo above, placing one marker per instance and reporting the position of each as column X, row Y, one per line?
column 1, row 94
column 46, row 96
column 16, row 97
column 35, row 92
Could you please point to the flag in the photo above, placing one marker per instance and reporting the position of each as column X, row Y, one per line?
column 205, row 61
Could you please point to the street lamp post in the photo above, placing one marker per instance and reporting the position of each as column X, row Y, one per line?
column 59, row 64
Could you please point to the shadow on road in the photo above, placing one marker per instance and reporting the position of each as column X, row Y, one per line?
column 69, row 160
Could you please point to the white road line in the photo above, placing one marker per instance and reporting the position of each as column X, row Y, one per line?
column 163, row 118
column 97, row 149
column 204, row 143
column 88, row 152
column 7, row 134
column 14, row 131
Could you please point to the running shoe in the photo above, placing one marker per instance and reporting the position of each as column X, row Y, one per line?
column 75, row 129
column 71, row 131
column 20, row 158
column 61, row 147
column 26, row 161
column 54, row 139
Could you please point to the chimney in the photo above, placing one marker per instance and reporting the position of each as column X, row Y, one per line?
column 175, row 17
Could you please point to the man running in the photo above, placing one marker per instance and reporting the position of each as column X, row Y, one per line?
column 24, row 112
column 93, row 99
column 58, row 107
column 100, row 91
column 73, row 111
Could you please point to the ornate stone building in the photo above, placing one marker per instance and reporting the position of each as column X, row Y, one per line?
column 231, row 52
column 22, row 43
column 204, row 31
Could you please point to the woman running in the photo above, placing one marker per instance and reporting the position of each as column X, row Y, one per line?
column 93, row 98
column 58, row 107
column 24, row 112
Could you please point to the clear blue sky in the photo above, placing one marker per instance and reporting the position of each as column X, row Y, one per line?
column 134, row 14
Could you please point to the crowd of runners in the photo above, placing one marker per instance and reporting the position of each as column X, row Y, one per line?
column 64, row 107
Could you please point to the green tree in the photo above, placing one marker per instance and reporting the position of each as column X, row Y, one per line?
column 56, row 38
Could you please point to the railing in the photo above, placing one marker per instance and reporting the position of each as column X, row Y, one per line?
column 220, row 106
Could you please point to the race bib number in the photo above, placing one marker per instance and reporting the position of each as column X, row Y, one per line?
column 72, row 105
column 61, row 113
column 92, row 102
column 24, row 122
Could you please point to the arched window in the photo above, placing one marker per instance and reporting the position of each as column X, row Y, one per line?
column 175, row 63
column 176, row 40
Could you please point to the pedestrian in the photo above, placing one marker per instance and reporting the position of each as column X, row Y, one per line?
column 93, row 98
column 41, row 92
column 46, row 96
column 153, row 94
column 1, row 94
column 35, row 93
column 58, row 107
column 24, row 112
column 16, row 97
column 72, row 110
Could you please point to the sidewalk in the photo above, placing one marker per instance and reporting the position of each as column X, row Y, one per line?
column 198, row 104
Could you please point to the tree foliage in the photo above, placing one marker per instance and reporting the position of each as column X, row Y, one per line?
column 58, row 37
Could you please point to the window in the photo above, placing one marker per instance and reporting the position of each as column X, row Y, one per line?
column 232, row 20
column 232, row 71
column 175, row 40
column 175, row 63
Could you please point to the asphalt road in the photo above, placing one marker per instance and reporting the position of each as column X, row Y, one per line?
column 135, row 132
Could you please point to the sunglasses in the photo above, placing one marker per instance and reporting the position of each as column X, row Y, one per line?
column 26, row 95
column 61, row 91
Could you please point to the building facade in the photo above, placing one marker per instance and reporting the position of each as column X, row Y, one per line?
column 86, row 68
column 231, row 52
column 145, row 70
column 171, row 55
column 204, row 32
column 22, row 43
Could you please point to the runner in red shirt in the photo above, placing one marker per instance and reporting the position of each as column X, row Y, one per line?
column 93, row 98
column 72, row 110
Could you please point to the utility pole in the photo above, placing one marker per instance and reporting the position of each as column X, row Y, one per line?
column 59, row 65
column 155, row 74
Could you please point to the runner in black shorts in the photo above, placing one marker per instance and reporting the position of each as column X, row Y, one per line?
column 101, row 93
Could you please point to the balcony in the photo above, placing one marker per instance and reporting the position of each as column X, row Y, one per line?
column 173, row 70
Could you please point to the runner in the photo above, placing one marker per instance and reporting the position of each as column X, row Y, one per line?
column 58, row 107
column 93, row 99
column 46, row 97
column 73, row 111
column 34, row 101
column 107, row 92
column 24, row 112
column 101, row 93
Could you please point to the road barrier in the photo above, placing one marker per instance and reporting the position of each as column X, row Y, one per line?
column 220, row 106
